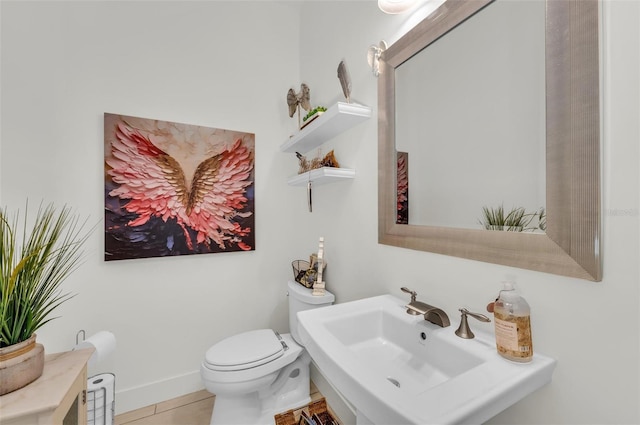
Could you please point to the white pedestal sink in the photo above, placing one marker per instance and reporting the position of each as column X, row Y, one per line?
column 400, row 369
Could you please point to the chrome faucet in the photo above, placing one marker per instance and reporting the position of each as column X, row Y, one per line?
column 432, row 314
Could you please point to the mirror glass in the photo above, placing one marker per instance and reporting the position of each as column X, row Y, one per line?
column 473, row 115
column 472, row 124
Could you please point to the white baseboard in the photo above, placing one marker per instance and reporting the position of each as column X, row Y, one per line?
column 129, row 399
column 133, row 398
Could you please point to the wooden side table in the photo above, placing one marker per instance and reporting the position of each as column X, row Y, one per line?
column 58, row 397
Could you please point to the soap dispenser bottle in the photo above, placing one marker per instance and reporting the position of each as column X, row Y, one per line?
column 513, row 325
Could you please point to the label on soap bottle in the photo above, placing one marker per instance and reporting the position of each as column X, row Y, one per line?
column 513, row 336
column 506, row 335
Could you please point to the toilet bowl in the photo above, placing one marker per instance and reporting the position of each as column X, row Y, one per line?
column 260, row 373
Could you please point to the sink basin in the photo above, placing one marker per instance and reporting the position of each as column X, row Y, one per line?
column 400, row 369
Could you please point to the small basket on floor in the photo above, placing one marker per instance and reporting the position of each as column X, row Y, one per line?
column 315, row 413
column 320, row 412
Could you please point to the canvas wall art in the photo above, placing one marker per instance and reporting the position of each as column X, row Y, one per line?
column 176, row 189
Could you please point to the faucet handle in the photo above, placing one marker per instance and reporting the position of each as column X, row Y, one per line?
column 409, row 291
column 464, row 331
column 478, row 316
column 411, row 306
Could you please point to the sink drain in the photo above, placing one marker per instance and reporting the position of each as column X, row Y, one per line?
column 394, row 382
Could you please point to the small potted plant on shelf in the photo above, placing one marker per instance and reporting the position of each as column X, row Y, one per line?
column 312, row 115
column 34, row 261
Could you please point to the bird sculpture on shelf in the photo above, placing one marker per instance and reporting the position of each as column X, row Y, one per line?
column 153, row 184
column 297, row 100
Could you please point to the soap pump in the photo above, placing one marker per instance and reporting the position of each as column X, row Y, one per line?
column 513, row 325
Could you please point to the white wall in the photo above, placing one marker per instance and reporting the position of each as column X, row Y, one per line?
column 212, row 64
column 229, row 65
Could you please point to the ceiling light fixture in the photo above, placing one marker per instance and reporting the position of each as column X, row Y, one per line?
column 394, row 7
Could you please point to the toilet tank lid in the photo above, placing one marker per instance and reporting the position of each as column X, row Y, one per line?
column 304, row 294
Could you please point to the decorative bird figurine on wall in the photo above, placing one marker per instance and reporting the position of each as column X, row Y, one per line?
column 345, row 80
column 297, row 100
column 153, row 184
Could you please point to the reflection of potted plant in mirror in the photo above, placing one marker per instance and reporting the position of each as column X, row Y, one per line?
column 33, row 264
column 516, row 220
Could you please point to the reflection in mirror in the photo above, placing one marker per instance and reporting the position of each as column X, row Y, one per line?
column 403, row 187
column 568, row 119
column 474, row 122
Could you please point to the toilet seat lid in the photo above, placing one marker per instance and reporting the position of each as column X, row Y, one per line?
column 245, row 350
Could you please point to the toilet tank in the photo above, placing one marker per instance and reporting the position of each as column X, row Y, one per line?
column 300, row 299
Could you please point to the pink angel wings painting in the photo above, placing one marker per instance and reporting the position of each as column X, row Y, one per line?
column 175, row 189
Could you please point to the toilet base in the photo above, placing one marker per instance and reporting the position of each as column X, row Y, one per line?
column 289, row 391
column 245, row 411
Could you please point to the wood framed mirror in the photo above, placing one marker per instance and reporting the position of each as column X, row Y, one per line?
column 570, row 245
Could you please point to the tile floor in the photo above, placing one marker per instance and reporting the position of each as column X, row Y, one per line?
column 191, row 409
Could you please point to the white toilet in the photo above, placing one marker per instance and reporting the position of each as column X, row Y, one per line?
column 260, row 373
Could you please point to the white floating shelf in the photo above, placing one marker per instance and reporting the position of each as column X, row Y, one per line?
column 322, row 175
column 338, row 118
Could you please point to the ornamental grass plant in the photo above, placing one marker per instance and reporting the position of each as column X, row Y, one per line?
column 516, row 220
column 34, row 262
